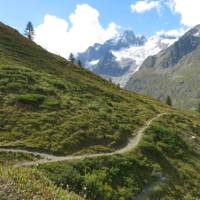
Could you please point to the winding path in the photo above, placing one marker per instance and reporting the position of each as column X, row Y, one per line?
column 47, row 158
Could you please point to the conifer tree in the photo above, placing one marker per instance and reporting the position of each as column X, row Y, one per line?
column 29, row 31
column 198, row 109
column 79, row 63
column 169, row 101
column 71, row 58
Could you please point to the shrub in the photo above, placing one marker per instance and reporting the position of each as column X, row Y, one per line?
column 30, row 99
column 59, row 85
column 51, row 104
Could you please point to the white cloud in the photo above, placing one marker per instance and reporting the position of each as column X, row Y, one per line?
column 188, row 10
column 52, row 34
column 176, row 33
column 56, row 34
column 145, row 5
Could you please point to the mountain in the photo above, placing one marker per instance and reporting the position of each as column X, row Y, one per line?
column 173, row 72
column 124, row 40
column 120, row 57
column 100, row 59
column 72, row 126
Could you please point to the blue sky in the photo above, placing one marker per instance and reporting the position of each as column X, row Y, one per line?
column 17, row 12
column 64, row 26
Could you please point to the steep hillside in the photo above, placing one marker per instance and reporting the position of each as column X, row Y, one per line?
column 173, row 72
column 48, row 104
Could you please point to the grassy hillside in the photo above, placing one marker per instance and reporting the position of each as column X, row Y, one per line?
column 29, row 184
column 173, row 72
column 165, row 166
column 49, row 104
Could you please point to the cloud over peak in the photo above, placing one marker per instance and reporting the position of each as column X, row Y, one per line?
column 81, row 31
column 188, row 10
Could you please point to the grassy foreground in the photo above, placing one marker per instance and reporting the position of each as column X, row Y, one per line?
column 29, row 184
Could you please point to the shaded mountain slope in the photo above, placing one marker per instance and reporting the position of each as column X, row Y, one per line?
column 174, row 72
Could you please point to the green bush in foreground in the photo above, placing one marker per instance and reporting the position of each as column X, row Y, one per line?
column 29, row 184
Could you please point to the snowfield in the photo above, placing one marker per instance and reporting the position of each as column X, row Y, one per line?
column 138, row 54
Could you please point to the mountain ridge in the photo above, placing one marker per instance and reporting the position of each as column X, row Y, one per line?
column 172, row 72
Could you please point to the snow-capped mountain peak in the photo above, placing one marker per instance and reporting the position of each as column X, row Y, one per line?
column 119, row 58
column 138, row 53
